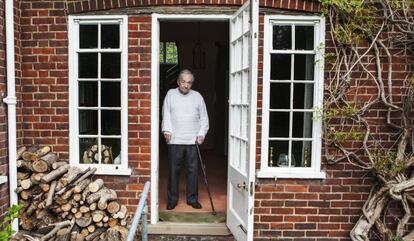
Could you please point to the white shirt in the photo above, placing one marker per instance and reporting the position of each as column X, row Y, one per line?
column 184, row 116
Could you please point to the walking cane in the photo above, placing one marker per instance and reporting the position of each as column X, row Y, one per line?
column 203, row 167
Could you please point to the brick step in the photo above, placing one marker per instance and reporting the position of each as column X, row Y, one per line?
column 162, row 237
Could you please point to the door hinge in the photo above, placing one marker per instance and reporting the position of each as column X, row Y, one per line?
column 251, row 189
column 243, row 229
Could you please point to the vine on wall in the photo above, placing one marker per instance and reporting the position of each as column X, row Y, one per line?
column 369, row 82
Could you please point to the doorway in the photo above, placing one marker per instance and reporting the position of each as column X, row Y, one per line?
column 191, row 45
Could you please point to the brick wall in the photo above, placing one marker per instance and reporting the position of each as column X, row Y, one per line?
column 286, row 209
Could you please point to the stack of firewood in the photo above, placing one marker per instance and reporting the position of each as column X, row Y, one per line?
column 65, row 203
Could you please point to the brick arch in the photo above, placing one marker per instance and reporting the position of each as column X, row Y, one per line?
column 97, row 5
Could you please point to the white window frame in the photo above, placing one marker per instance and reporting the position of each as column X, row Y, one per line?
column 313, row 172
column 73, row 36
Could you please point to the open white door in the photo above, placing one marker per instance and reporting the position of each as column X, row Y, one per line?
column 242, row 120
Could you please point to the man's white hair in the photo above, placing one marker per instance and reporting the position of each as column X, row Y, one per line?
column 184, row 72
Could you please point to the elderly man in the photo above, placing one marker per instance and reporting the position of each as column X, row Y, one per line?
column 185, row 122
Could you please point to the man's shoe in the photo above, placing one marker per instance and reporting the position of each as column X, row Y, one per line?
column 195, row 205
column 171, row 206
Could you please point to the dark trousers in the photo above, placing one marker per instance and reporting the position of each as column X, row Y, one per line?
column 178, row 156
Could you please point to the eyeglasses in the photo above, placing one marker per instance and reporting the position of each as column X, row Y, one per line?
column 183, row 82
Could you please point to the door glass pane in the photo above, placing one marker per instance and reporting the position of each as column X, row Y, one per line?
column 110, row 94
column 302, row 124
column 279, row 124
column 88, row 150
column 88, row 36
column 88, row 65
column 278, row 154
column 111, row 122
column 111, row 150
column 88, row 94
column 302, row 96
column 88, row 122
column 302, row 153
column 279, row 96
column 109, row 36
column 111, row 65
column 282, row 37
column 304, row 37
column 304, row 67
column 280, row 66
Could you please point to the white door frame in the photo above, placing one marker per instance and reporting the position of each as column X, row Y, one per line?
column 155, row 132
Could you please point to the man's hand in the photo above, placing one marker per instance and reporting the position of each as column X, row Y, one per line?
column 200, row 140
column 167, row 137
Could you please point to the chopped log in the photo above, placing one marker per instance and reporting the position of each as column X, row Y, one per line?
column 55, row 174
column 125, row 220
column 42, row 151
column 84, row 174
column 45, row 187
column 91, row 228
column 84, row 232
column 85, row 194
column 97, row 232
column 35, row 177
column 98, row 215
column 29, row 156
column 106, row 195
column 94, row 196
column 27, row 222
column 89, row 171
column 56, row 228
column 63, row 235
column 20, row 152
column 31, row 193
column 87, row 215
column 105, row 219
column 50, row 194
column 77, row 197
column 32, row 207
column 84, row 209
column 113, row 207
column 24, row 165
column 57, row 164
column 99, row 224
column 83, row 222
column 40, row 166
column 66, row 207
column 122, row 212
column 71, row 175
column 23, row 175
column 78, row 214
column 81, row 186
column 67, row 194
column 26, row 184
column 122, row 231
column 92, row 207
column 112, row 222
column 96, row 185
column 19, row 190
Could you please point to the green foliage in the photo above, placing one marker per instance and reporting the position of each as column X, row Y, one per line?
column 6, row 231
column 396, row 238
column 387, row 164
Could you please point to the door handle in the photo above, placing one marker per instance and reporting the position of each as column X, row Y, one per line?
column 241, row 185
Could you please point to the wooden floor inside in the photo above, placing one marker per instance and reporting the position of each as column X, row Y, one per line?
column 216, row 166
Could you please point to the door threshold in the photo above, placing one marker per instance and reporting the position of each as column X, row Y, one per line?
column 219, row 229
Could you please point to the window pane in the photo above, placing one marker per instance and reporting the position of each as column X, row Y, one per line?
column 304, row 37
column 171, row 52
column 88, row 150
column 111, row 150
column 111, row 122
column 302, row 96
column 279, row 96
column 280, row 66
column 88, row 36
column 110, row 94
column 302, row 124
column 282, row 37
column 278, row 153
column 279, row 124
column 88, row 65
column 162, row 52
column 111, row 65
column 110, row 36
column 88, row 122
column 302, row 153
column 88, row 94
column 304, row 65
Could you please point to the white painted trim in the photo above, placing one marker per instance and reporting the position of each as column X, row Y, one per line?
column 122, row 168
column 155, row 132
column 10, row 100
column 319, row 38
column 3, row 179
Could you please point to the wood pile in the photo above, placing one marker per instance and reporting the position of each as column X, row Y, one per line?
column 63, row 203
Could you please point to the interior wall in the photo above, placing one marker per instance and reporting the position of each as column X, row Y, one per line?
column 211, row 35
